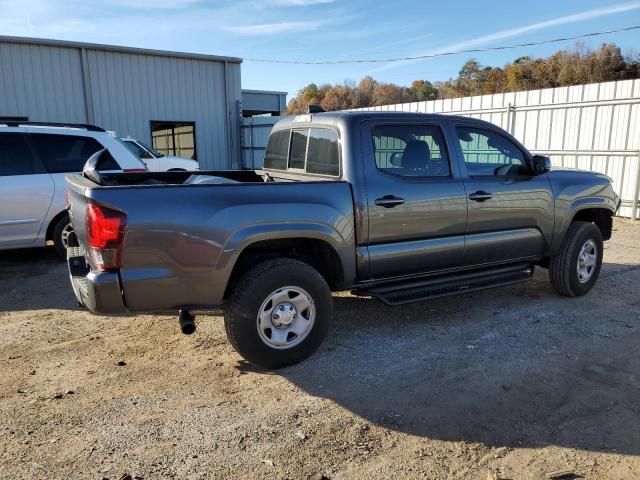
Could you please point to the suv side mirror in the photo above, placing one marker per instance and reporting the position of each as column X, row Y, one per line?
column 540, row 164
column 396, row 159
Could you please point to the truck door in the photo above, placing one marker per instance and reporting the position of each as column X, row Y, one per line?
column 416, row 202
column 510, row 209
column 26, row 190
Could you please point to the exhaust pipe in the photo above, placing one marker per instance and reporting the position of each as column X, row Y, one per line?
column 187, row 322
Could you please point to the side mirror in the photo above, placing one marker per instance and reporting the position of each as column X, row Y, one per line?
column 540, row 164
column 396, row 159
column 92, row 165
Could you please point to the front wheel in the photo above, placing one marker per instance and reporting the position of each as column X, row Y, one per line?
column 279, row 313
column 574, row 269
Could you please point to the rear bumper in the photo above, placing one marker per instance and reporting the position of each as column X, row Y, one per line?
column 99, row 292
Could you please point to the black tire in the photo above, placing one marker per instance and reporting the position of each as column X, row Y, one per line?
column 563, row 268
column 56, row 236
column 253, row 289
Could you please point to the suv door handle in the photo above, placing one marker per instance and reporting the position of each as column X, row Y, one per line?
column 480, row 196
column 389, row 201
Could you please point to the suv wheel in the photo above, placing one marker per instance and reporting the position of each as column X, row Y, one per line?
column 279, row 313
column 574, row 270
column 60, row 235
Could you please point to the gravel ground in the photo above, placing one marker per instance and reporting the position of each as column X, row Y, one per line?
column 514, row 382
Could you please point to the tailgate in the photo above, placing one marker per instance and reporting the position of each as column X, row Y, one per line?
column 99, row 291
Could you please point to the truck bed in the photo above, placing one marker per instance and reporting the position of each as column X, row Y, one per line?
column 182, row 240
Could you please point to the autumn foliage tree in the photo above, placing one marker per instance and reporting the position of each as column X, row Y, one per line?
column 563, row 68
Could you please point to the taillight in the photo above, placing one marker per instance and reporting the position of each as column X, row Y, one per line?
column 105, row 236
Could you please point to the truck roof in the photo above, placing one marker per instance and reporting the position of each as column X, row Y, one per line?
column 334, row 118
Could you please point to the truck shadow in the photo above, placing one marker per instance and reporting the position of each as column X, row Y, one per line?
column 515, row 367
column 34, row 279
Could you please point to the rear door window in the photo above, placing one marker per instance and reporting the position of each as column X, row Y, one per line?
column 411, row 150
column 69, row 153
column 15, row 156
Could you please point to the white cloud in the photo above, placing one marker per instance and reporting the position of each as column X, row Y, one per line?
column 155, row 4
column 272, row 28
column 516, row 32
column 300, row 2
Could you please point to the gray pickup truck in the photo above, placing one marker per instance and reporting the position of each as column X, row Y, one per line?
column 396, row 206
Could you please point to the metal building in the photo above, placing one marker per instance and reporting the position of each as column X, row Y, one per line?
column 180, row 103
column 263, row 102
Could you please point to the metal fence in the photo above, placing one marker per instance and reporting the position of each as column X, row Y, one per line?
column 593, row 127
column 255, row 133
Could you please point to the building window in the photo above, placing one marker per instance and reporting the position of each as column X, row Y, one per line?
column 174, row 138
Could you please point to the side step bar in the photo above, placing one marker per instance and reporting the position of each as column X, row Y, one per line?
column 418, row 290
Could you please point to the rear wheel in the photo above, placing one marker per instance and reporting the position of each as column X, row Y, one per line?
column 60, row 235
column 279, row 313
column 575, row 268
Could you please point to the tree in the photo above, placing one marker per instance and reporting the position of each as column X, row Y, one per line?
column 423, row 90
column 565, row 67
column 364, row 91
column 388, row 94
column 338, row 98
column 496, row 81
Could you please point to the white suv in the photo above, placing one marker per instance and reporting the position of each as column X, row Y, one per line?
column 156, row 161
column 34, row 158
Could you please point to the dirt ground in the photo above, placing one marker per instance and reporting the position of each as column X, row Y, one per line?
column 514, row 382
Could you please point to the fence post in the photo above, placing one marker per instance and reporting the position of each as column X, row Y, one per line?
column 253, row 150
column 511, row 119
column 636, row 193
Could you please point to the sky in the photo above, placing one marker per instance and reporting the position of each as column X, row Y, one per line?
column 314, row 30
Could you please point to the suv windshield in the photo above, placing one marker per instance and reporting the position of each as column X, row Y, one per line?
column 138, row 148
column 154, row 152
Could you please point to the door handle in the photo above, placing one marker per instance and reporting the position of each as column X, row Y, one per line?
column 480, row 196
column 389, row 201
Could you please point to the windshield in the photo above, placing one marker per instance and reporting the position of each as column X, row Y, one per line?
column 140, row 149
column 154, row 152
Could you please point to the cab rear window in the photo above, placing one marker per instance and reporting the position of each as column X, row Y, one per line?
column 311, row 150
column 275, row 156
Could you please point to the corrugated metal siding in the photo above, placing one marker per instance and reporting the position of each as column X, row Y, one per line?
column 128, row 91
column 125, row 92
column 263, row 101
column 593, row 127
column 42, row 83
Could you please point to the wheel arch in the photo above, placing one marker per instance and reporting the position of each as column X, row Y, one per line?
column 602, row 217
column 52, row 224
column 317, row 252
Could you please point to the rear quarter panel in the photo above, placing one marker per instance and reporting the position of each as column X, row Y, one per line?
column 182, row 242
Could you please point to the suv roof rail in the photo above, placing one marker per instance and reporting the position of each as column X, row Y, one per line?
column 85, row 126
